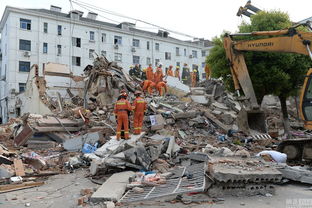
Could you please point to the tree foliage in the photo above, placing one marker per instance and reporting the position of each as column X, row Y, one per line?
column 275, row 73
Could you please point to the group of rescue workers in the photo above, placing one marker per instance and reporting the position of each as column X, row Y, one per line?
column 152, row 81
column 122, row 111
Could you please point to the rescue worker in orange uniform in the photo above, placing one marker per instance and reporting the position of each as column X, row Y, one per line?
column 122, row 107
column 194, row 77
column 208, row 72
column 148, row 86
column 149, row 72
column 139, row 106
column 177, row 73
column 158, row 76
column 170, row 71
column 162, row 88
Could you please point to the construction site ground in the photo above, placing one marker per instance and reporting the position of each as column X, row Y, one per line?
column 62, row 191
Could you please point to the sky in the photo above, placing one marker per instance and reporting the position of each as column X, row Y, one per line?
column 197, row 18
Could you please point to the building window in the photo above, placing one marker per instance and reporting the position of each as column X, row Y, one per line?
column 118, row 57
column 25, row 45
column 76, row 42
column 157, row 46
column 103, row 38
column 184, row 51
column 45, row 47
column 24, row 66
column 136, row 59
column 148, row 60
column 117, row 40
column 177, row 51
column 147, row 45
column 91, row 51
column 203, row 64
column 136, row 43
column 59, row 30
column 76, row 61
column 4, row 73
column 25, row 24
column 167, row 56
column 45, row 27
column 21, row 87
column 59, row 50
column 103, row 53
column 178, row 64
column 194, row 53
column 203, row 53
column 156, row 62
column 92, row 35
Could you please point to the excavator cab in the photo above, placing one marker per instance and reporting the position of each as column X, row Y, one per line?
column 306, row 101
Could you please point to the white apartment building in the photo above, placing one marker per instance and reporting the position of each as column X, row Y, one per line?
column 38, row 36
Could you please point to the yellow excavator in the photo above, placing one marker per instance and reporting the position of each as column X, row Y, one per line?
column 251, row 117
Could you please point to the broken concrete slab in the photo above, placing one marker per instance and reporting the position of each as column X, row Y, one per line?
column 216, row 121
column 174, row 83
column 296, row 173
column 227, row 119
column 191, row 114
column 202, row 99
column 53, row 121
column 220, row 106
column 113, row 144
column 113, row 188
column 216, row 112
column 5, row 173
column 76, row 143
column 157, row 122
column 198, row 90
column 33, row 144
column 225, row 169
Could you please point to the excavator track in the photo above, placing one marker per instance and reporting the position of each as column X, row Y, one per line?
column 299, row 151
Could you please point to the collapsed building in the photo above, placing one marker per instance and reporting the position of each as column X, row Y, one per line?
column 191, row 141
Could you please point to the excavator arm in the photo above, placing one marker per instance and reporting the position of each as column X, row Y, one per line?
column 289, row 41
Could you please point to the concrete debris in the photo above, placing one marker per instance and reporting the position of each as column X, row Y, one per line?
column 113, row 188
column 240, row 177
column 184, row 131
column 297, row 173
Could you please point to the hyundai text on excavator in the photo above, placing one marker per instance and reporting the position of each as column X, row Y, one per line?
column 251, row 117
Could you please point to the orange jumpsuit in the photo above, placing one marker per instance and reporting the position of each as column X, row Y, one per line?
column 149, row 73
column 139, row 106
column 161, row 87
column 177, row 73
column 193, row 76
column 148, row 85
column 122, row 107
column 170, row 72
column 158, row 76
column 208, row 72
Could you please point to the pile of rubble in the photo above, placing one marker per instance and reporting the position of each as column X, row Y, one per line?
column 191, row 142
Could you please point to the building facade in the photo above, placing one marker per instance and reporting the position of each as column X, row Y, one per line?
column 38, row 36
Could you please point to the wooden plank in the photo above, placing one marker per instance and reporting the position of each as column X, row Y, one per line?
column 19, row 167
column 15, row 187
column 23, row 136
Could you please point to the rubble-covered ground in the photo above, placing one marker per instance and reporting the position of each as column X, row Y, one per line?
column 62, row 191
column 192, row 151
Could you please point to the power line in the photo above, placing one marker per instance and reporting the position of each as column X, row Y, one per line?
column 80, row 3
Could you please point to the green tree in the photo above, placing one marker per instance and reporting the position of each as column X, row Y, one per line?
column 275, row 73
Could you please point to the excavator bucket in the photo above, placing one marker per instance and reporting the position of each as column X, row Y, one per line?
column 251, row 120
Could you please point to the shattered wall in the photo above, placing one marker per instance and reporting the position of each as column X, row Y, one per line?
column 42, row 91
